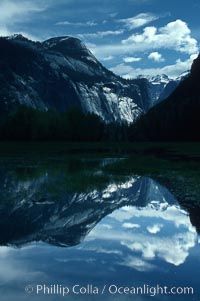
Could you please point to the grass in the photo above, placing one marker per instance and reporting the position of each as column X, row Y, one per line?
column 184, row 149
column 181, row 175
column 175, row 165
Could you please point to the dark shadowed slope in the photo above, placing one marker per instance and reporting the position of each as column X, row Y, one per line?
column 176, row 118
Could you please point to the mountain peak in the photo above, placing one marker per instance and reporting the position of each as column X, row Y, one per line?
column 183, row 75
column 61, row 73
column 69, row 46
column 160, row 78
column 18, row 37
column 67, row 40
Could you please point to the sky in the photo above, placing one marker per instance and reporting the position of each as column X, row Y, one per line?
column 129, row 37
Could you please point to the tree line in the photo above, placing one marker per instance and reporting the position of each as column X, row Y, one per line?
column 168, row 121
column 29, row 124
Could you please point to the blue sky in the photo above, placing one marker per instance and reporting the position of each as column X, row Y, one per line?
column 130, row 37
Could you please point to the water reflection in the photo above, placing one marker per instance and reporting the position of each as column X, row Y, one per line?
column 65, row 219
column 129, row 232
column 159, row 230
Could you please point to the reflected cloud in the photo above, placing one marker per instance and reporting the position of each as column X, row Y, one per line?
column 4, row 251
column 149, row 222
column 163, row 211
column 159, row 230
column 11, row 269
column 138, row 264
column 173, row 249
column 122, row 231
column 130, row 225
column 155, row 228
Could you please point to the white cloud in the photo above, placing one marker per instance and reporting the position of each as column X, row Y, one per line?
column 138, row 264
column 113, row 15
column 156, row 56
column 155, row 228
column 101, row 34
column 130, row 225
column 172, row 71
column 138, row 20
column 108, row 58
column 174, row 249
column 89, row 23
column 4, row 32
column 90, row 45
column 171, row 245
column 175, row 35
column 122, row 69
column 131, row 59
column 11, row 266
column 12, row 12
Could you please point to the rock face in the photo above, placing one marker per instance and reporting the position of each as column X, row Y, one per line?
column 61, row 72
column 30, row 210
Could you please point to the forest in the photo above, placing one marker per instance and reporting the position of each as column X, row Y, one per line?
column 159, row 124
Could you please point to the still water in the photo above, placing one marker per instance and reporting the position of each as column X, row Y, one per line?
column 126, row 239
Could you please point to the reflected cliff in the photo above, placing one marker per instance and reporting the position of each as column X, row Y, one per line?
column 72, row 222
column 45, row 204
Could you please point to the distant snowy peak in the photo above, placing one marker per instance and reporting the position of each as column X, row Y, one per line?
column 157, row 85
column 162, row 86
column 158, row 79
column 170, row 87
column 183, row 75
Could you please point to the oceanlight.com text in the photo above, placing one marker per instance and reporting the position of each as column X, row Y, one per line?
column 111, row 289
